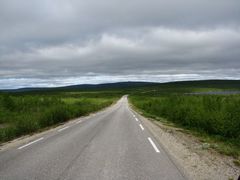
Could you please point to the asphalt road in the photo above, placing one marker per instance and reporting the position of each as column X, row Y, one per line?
column 112, row 144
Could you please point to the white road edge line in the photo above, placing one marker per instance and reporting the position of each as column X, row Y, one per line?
column 136, row 119
column 141, row 126
column 78, row 122
column 153, row 145
column 28, row 144
column 63, row 129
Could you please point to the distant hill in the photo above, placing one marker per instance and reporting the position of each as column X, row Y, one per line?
column 233, row 84
column 118, row 85
column 204, row 83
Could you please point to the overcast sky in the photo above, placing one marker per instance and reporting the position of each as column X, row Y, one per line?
column 63, row 42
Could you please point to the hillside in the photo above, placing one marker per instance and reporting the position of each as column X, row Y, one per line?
column 223, row 84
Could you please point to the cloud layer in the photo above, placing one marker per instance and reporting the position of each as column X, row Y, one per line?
column 55, row 43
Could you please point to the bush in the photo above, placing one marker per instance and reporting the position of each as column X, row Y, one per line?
column 54, row 115
column 7, row 133
column 8, row 103
column 25, row 124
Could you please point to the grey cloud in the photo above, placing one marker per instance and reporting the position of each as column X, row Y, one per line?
column 43, row 42
column 96, row 79
column 58, row 20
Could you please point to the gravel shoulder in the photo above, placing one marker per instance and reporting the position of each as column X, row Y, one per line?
column 196, row 161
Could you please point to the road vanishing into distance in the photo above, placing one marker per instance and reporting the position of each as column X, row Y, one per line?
column 110, row 145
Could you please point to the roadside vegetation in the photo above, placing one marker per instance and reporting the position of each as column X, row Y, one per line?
column 216, row 118
column 24, row 113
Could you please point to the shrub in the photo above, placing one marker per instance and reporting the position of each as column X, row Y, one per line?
column 54, row 115
column 7, row 133
column 8, row 103
column 25, row 124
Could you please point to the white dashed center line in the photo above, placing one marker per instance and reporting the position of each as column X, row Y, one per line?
column 141, row 126
column 28, row 144
column 63, row 128
column 153, row 145
column 136, row 119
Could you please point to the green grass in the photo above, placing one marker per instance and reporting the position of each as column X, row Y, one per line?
column 25, row 113
column 216, row 117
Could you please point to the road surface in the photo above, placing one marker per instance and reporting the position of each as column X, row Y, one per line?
column 111, row 145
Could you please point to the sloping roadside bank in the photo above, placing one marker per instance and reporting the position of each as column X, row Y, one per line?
column 41, row 132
